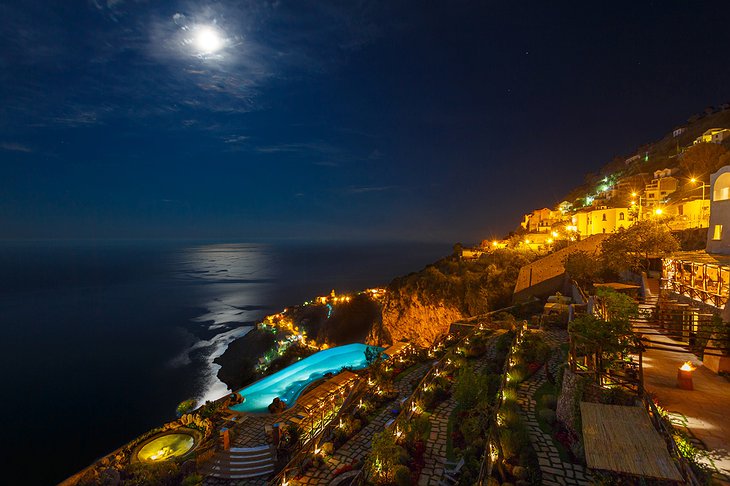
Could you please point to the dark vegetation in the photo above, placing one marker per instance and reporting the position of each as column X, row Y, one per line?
column 239, row 360
column 474, row 287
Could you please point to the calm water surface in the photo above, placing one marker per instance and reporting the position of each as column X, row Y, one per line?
column 102, row 340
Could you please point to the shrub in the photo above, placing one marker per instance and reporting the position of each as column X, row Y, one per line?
column 186, row 406
column 510, row 418
column 547, row 415
column 192, row 480
column 471, row 429
column 548, row 401
column 517, row 374
column 402, row 475
column 519, row 472
column 513, row 441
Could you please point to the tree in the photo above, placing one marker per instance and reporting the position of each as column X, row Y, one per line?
column 583, row 267
column 630, row 249
column 703, row 159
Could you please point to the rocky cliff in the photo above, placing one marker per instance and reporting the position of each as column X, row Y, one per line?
column 421, row 306
column 407, row 316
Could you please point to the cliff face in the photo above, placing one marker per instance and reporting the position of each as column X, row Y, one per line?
column 421, row 306
column 407, row 316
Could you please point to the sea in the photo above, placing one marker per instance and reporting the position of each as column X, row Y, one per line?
column 102, row 339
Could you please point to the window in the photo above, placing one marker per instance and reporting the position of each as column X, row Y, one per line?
column 604, row 230
column 620, row 216
column 717, row 233
column 721, row 189
column 604, row 217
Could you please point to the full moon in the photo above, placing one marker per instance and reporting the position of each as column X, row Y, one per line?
column 208, row 40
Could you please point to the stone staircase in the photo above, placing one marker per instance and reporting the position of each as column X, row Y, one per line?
column 242, row 463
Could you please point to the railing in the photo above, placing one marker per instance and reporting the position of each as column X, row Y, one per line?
column 307, row 448
column 661, row 426
column 485, row 470
column 705, row 296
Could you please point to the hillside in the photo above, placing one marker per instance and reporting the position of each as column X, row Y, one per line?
column 657, row 155
column 421, row 306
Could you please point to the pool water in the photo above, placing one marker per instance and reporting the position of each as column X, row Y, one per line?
column 287, row 384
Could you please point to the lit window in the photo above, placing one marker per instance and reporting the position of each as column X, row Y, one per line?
column 717, row 234
column 721, row 189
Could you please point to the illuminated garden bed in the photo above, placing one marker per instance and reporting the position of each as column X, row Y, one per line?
column 176, row 444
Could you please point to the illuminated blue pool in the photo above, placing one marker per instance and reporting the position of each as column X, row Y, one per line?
column 288, row 383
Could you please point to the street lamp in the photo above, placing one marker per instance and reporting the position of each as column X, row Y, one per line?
column 694, row 181
column 633, row 194
column 702, row 208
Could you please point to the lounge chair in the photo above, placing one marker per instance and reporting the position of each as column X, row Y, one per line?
column 455, row 468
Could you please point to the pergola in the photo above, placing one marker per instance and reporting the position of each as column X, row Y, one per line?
column 698, row 275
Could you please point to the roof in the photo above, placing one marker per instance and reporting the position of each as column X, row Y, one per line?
column 617, row 286
column 312, row 398
column 623, row 439
column 701, row 256
column 396, row 348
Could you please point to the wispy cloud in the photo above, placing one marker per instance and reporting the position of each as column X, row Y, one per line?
column 235, row 139
column 369, row 189
column 15, row 147
column 308, row 147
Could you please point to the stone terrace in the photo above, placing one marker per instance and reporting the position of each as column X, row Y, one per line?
column 359, row 445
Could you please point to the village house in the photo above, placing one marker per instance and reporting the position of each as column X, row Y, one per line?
column 602, row 220
column 713, row 135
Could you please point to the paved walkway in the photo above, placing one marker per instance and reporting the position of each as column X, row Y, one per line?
column 435, row 455
column 355, row 449
column 703, row 411
column 554, row 470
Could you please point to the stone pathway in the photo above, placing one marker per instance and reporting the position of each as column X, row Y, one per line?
column 554, row 470
column 435, row 454
column 354, row 450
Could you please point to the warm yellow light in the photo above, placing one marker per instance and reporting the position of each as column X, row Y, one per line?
column 687, row 366
column 555, row 234
column 549, row 240
column 693, row 180
column 495, row 243
column 658, row 211
column 633, row 194
column 527, row 242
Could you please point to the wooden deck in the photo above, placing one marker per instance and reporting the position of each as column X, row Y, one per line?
column 311, row 401
column 623, row 439
column 395, row 349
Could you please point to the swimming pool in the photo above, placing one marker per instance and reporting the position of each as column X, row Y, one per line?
column 288, row 383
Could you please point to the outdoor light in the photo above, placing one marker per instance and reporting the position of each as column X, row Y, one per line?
column 555, row 234
column 684, row 376
column 658, row 211
column 693, row 180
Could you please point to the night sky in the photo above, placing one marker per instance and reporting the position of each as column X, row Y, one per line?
column 440, row 121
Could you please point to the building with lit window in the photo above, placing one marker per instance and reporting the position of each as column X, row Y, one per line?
column 659, row 188
column 713, row 135
column 718, row 233
column 541, row 220
column 602, row 220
